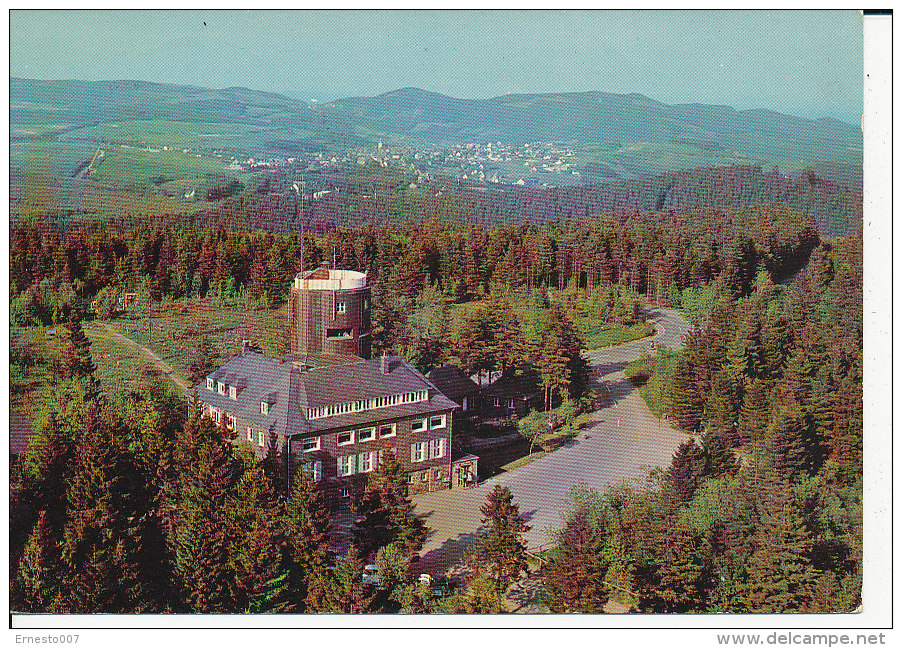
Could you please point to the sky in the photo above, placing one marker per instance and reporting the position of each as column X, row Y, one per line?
column 807, row 64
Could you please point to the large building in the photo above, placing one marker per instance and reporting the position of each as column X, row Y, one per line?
column 328, row 411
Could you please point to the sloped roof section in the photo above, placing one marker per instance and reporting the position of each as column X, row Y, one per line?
column 452, row 382
column 289, row 391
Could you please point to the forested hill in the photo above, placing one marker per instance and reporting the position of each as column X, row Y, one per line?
column 836, row 209
column 590, row 117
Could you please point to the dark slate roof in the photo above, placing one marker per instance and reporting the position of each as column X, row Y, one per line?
column 311, row 360
column 291, row 388
column 19, row 433
column 452, row 382
column 525, row 384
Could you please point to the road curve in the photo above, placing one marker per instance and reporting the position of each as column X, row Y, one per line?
column 622, row 440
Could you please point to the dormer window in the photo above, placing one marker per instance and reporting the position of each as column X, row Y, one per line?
column 210, row 384
column 233, row 392
column 221, row 387
column 264, row 408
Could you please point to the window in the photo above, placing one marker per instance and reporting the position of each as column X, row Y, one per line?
column 437, row 448
column 338, row 333
column 250, row 435
column 233, row 392
column 215, row 414
column 230, row 422
column 424, row 476
column 345, row 491
column 418, row 425
column 345, row 438
column 366, row 303
column 383, row 451
column 310, row 443
column 437, row 421
column 210, row 384
column 366, row 461
column 418, row 452
column 221, row 387
column 366, row 434
column 346, row 465
column 264, row 408
column 496, row 402
column 463, row 404
column 261, row 438
column 438, row 475
column 386, row 431
column 315, row 468
column 340, row 307
column 410, row 478
column 510, row 403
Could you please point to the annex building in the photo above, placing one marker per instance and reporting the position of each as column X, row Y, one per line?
column 328, row 407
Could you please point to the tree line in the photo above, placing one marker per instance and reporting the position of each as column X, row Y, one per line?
column 661, row 253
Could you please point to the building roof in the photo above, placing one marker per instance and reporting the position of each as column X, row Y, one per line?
column 290, row 389
column 452, row 382
column 524, row 384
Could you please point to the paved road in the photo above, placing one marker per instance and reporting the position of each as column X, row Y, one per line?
column 622, row 439
column 165, row 368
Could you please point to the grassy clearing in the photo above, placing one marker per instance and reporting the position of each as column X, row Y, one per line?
column 177, row 327
column 651, row 374
column 133, row 165
column 120, row 365
column 601, row 335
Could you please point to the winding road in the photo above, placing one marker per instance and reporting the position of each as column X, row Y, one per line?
column 620, row 442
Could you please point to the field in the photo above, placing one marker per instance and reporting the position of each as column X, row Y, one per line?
column 124, row 165
column 176, row 328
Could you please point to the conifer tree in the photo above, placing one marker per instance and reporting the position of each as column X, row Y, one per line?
column 307, row 554
column 72, row 359
column 685, row 474
column 112, row 546
column 778, row 575
column 349, row 593
column 39, row 571
column 684, row 395
column 388, row 512
column 199, row 539
column 499, row 553
column 785, row 441
column 203, row 360
column 574, row 576
column 38, row 515
column 753, row 415
column 254, row 530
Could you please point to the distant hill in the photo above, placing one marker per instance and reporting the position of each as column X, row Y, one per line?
column 595, row 117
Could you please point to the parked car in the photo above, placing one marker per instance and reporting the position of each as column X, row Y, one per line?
column 439, row 584
column 369, row 573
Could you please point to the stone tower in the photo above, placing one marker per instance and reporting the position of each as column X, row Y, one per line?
column 330, row 312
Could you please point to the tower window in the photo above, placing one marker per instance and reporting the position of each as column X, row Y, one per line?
column 340, row 307
column 338, row 333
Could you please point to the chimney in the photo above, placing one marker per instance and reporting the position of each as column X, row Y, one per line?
column 384, row 363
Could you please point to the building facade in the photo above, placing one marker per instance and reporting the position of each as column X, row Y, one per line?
column 326, row 409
